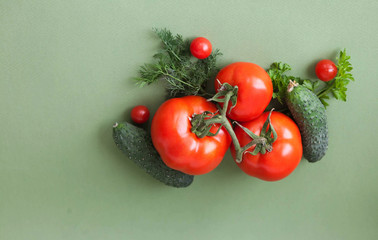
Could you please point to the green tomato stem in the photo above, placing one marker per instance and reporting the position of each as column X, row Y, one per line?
column 223, row 121
column 202, row 124
column 223, row 110
column 227, row 125
column 239, row 151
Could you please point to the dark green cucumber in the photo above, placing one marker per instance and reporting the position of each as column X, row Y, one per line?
column 137, row 145
column 310, row 116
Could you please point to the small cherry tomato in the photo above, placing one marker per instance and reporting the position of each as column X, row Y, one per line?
column 200, row 48
column 326, row 70
column 140, row 114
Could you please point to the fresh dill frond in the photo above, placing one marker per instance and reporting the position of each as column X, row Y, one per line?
column 174, row 64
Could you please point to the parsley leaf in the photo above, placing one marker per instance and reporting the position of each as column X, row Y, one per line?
column 280, row 80
column 338, row 86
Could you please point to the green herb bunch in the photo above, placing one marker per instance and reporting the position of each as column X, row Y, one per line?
column 174, row 64
column 337, row 87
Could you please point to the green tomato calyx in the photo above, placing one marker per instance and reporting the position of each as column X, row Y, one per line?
column 262, row 143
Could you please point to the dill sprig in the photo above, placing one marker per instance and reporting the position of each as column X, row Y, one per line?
column 174, row 64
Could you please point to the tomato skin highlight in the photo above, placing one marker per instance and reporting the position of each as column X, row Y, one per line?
column 326, row 70
column 255, row 89
column 178, row 147
column 201, row 48
column 286, row 153
column 140, row 114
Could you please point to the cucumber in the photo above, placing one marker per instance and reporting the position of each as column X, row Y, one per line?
column 137, row 145
column 310, row 116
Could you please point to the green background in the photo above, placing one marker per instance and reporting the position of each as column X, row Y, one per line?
column 66, row 70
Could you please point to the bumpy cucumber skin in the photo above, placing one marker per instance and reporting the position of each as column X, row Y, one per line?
column 136, row 144
column 310, row 116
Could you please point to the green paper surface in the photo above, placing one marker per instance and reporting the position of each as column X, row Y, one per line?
column 66, row 70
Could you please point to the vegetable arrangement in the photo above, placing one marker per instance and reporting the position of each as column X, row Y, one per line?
column 193, row 129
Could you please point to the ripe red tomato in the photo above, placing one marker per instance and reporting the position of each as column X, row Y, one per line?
column 255, row 89
column 140, row 114
column 180, row 148
column 200, row 48
column 286, row 150
column 326, row 70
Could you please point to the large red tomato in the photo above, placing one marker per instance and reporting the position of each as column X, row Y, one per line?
column 255, row 89
column 286, row 150
column 180, row 148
